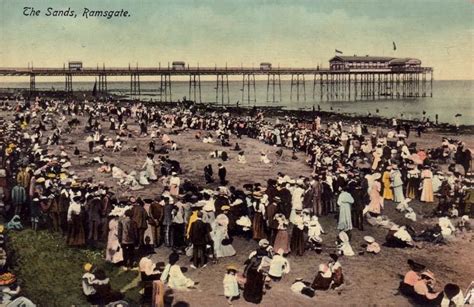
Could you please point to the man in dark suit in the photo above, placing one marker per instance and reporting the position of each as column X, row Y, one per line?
column 199, row 236
column 222, row 174
column 208, row 173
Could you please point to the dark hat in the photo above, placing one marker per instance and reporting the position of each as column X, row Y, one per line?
column 451, row 290
column 173, row 258
column 415, row 266
column 334, row 257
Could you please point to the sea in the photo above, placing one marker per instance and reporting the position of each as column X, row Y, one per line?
column 451, row 101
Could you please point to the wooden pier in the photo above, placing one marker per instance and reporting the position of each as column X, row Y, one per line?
column 377, row 78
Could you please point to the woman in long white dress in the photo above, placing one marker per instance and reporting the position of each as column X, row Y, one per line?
column 427, row 191
column 114, row 252
column 175, row 182
column 218, row 234
column 149, row 167
column 173, row 276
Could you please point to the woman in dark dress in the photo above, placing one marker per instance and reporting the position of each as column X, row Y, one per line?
column 297, row 243
column 255, row 280
column 258, row 221
column 323, row 279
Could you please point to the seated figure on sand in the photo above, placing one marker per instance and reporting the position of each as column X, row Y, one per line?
column 263, row 158
column 241, row 158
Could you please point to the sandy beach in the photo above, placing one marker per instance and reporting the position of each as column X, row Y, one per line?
column 369, row 278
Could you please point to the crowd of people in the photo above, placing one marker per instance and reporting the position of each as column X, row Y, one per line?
column 352, row 173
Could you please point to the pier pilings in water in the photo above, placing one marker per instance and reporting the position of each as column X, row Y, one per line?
column 249, row 91
column 165, row 88
column 334, row 86
column 32, row 84
column 68, row 84
column 195, row 87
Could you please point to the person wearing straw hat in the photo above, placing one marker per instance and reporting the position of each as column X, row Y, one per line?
column 9, row 289
column 231, row 286
column 372, row 246
column 88, row 280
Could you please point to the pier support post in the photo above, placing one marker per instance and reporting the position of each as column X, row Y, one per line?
column 195, row 87
column 314, row 85
column 222, row 89
column 135, row 84
column 102, row 85
column 431, row 84
column 273, row 82
column 298, row 81
column 349, row 86
column 321, row 81
column 248, row 82
column 68, row 84
column 32, row 84
column 165, row 88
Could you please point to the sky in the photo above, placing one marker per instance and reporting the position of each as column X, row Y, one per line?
column 287, row 33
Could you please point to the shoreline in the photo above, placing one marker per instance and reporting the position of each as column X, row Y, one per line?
column 269, row 111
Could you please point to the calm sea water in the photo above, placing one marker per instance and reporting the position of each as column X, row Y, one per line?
column 449, row 98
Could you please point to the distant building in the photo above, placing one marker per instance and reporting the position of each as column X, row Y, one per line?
column 372, row 63
column 265, row 66
column 75, row 65
column 178, row 65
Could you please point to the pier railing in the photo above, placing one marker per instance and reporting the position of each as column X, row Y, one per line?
column 150, row 71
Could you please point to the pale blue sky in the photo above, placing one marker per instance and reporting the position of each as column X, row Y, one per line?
column 292, row 33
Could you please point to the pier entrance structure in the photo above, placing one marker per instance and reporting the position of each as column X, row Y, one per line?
column 347, row 78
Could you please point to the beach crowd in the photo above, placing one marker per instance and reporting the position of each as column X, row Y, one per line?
column 354, row 172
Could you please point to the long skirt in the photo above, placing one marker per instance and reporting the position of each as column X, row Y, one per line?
column 282, row 241
column 76, row 235
column 297, row 241
column 337, row 277
column 178, row 235
column 174, row 190
column 427, row 193
column 387, row 192
column 398, row 194
column 258, row 226
column 253, row 289
column 321, row 283
column 412, row 188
